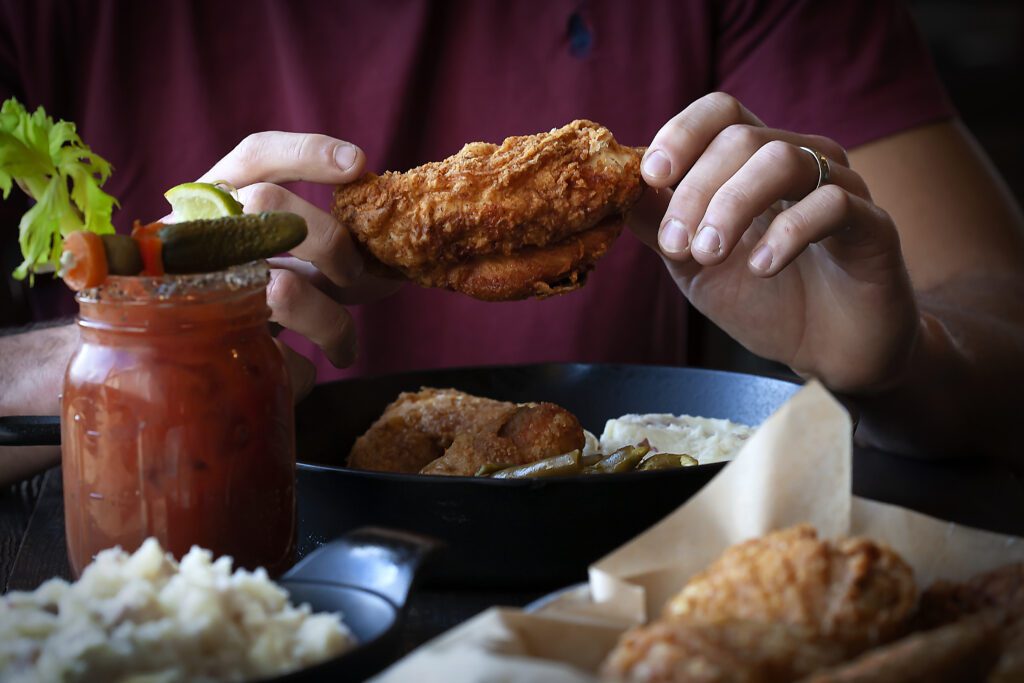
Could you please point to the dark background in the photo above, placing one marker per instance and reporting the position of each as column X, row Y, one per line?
column 978, row 48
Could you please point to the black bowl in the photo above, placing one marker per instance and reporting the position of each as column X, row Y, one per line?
column 513, row 533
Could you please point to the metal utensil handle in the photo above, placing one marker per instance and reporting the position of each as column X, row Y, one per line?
column 382, row 560
column 30, row 430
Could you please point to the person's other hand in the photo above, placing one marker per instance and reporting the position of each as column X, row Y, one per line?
column 810, row 277
column 308, row 289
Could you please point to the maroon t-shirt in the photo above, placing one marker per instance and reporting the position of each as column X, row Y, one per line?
column 164, row 89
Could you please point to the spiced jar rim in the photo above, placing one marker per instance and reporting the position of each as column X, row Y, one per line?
column 178, row 287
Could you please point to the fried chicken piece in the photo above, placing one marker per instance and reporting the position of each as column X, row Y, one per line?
column 417, row 427
column 987, row 645
column 946, row 601
column 533, row 271
column 480, row 222
column 1010, row 667
column 677, row 651
column 962, row 652
column 773, row 609
column 444, row 431
column 531, row 432
column 855, row 592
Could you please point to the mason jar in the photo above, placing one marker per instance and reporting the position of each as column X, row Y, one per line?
column 177, row 420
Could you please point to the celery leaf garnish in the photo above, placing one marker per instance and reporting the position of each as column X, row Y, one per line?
column 54, row 167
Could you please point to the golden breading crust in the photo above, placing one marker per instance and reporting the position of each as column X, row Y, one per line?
column 532, row 191
column 445, row 431
column 417, row 427
column 531, row 432
column 959, row 652
column 533, row 271
column 677, row 651
column 854, row 592
column 773, row 609
column 946, row 601
column 791, row 607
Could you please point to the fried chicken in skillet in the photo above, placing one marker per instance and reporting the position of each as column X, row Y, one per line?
column 529, row 217
column 444, row 431
column 417, row 428
column 530, row 432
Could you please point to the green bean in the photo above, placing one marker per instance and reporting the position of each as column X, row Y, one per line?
column 667, row 461
column 622, row 460
column 567, row 463
column 591, row 459
column 490, row 468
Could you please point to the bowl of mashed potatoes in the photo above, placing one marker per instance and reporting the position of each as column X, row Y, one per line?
column 144, row 617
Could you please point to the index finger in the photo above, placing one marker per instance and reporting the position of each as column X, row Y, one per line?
column 277, row 157
column 682, row 140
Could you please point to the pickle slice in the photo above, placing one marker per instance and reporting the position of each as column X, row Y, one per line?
column 214, row 244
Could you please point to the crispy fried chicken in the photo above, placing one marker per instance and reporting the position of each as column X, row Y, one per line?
column 527, row 218
column 530, row 432
column 732, row 651
column 417, row 428
column 444, row 431
column 773, row 609
column 854, row 591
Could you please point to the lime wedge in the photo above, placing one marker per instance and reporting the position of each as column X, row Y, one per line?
column 200, row 201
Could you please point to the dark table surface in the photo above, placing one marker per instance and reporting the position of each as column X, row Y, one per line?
column 975, row 493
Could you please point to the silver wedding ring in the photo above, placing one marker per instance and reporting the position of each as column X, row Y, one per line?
column 824, row 171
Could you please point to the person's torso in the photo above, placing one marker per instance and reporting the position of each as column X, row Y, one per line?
column 163, row 90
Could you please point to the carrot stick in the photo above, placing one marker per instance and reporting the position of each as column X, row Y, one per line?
column 89, row 265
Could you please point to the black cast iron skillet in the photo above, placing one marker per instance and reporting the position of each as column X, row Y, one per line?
column 514, row 533
column 509, row 533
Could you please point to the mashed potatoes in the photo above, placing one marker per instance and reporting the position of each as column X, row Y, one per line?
column 704, row 438
column 145, row 618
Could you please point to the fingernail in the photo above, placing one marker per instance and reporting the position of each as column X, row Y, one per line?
column 673, row 238
column 657, row 165
column 345, row 156
column 761, row 259
column 708, row 240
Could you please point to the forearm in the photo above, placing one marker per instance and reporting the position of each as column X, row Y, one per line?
column 31, row 373
column 32, row 368
column 959, row 394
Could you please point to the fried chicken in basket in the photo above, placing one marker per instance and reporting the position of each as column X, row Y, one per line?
column 732, row 651
column 529, row 217
column 961, row 652
column 853, row 591
column 947, row 601
column 444, row 431
column 773, row 609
